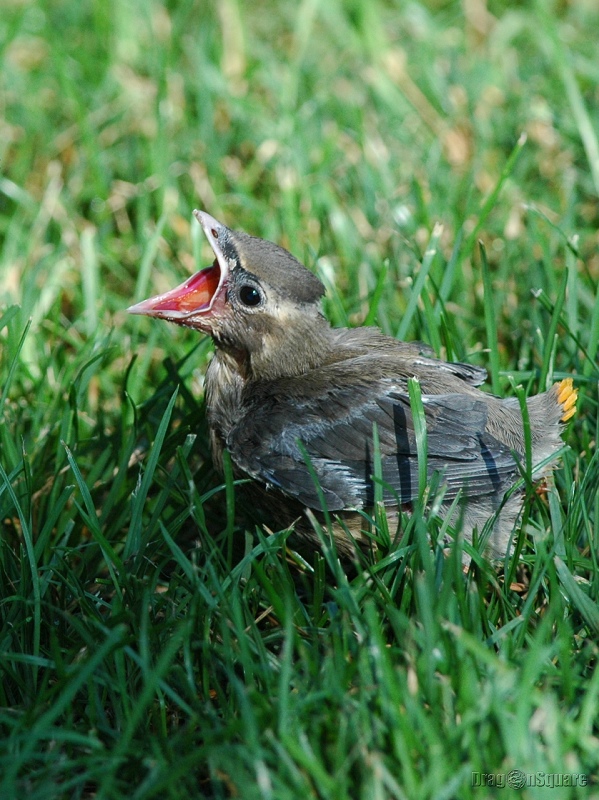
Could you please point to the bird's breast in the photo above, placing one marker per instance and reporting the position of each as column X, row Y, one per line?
column 224, row 386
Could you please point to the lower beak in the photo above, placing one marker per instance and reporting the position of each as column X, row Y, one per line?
column 195, row 296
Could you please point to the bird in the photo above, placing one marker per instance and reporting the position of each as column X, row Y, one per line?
column 296, row 403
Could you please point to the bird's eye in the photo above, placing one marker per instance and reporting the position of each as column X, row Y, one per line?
column 249, row 295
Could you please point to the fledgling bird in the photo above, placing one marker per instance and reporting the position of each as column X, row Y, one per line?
column 281, row 376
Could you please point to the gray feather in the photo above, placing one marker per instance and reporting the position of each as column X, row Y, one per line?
column 339, row 441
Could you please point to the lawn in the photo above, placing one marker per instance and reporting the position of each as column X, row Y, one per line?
column 437, row 164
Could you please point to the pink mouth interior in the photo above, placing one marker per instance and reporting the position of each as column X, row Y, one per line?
column 195, row 294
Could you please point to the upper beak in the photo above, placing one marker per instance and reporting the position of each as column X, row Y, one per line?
column 199, row 293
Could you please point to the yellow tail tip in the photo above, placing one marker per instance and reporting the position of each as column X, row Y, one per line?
column 566, row 397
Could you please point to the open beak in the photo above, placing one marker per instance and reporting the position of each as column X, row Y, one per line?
column 199, row 294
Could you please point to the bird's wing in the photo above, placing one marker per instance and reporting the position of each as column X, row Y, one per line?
column 468, row 373
column 336, row 431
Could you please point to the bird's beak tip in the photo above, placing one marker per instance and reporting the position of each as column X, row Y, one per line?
column 138, row 308
column 207, row 222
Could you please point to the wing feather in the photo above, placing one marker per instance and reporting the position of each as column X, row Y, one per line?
column 335, row 428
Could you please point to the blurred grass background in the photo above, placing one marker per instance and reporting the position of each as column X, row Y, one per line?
column 151, row 644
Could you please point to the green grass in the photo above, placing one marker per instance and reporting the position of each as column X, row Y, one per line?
column 152, row 644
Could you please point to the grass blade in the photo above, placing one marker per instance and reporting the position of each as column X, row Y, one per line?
column 133, row 543
column 588, row 609
column 490, row 321
column 419, row 419
column 491, row 200
column 420, row 283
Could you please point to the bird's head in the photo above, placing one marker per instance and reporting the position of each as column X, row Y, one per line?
column 257, row 301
